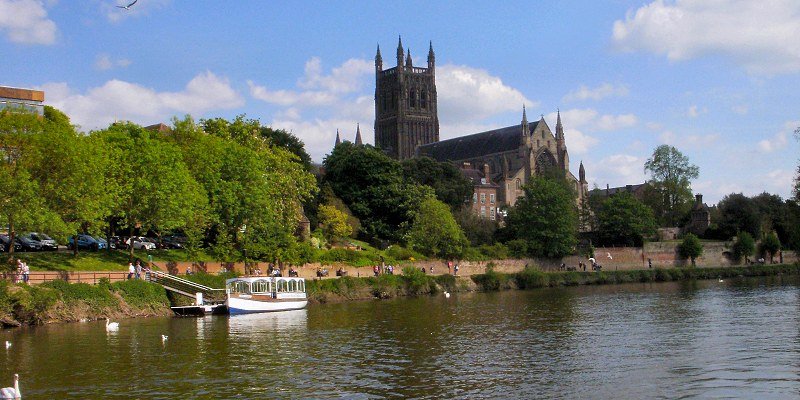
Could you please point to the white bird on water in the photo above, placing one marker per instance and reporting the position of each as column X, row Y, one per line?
column 128, row 7
column 446, row 295
column 8, row 344
column 609, row 256
column 11, row 392
column 111, row 326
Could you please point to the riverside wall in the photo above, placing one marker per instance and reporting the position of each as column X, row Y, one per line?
column 662, row 254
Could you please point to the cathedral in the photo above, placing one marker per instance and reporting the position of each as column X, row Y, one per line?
column 499, row 161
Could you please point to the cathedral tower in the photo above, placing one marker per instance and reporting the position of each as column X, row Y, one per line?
column 405, row 105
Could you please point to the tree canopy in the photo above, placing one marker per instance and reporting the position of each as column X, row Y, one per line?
column 545, row 217
column 434, row 231
column 691, row 247
column 449, row 184
column 624, row 220
column 671, row 174
column 743, row 247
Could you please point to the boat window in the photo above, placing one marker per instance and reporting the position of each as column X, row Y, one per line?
column 302, row 286
column 282, row 286
column 239, row 287
column 259, row 286
column 293, row 285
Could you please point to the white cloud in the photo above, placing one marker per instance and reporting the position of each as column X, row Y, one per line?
column 578, row 142
column 120, row 100
column 617, row 170
column 26, row 21
column 598, row 93
column 469, row 94
column 761, row 36
column 692, row 140
column 103, row 62
column 343, row 79
column 591, row 120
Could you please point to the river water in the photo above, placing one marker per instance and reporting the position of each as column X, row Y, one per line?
column 736, row 339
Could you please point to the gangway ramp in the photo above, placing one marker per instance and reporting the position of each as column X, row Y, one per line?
column 201, row 293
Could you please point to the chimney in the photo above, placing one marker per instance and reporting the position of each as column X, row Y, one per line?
column 486, row 171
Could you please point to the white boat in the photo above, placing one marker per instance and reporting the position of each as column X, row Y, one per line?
column 255, row 294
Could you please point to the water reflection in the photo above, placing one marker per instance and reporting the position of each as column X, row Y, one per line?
column 703, row 339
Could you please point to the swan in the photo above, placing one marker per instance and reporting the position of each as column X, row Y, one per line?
column 111, row 326
column 8, row 344
column 164, row 338
column 11, row 392
column 720, row 280
column 446, row 295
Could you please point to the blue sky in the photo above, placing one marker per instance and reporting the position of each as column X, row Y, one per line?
column 717, row 79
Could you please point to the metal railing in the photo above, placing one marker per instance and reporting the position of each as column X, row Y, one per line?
column 186, row 287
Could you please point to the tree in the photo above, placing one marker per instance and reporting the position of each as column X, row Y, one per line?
column 670, row 176
column 743, row 247
column 771, row 245
column 285, row 140
column 155, row 188
column 691, row 247
column 545, row 217
column 478, row 230
column 371, row 184
column 624, row 220
column 737, row 213
column 333, row 223
column 20, row 204
column 449, row 184
column 434, row 231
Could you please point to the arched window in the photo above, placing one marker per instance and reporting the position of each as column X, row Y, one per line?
column 544, row 161
column 412, row 98
column 423, row 99
column 259, row 286
column 519, row 184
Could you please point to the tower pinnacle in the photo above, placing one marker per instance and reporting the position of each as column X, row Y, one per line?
column 338, row 140
column 358, row 135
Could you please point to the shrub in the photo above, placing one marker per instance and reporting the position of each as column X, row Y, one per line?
column 417, row 282
column 517, row 248
column 532, row 277
column 497, row 251
column 96, row 296
column 141, row 293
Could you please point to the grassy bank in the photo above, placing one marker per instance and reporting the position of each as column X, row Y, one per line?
column 59, row 301
column 532, row 278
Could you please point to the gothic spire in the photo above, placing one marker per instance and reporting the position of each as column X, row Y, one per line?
column 358, row 135
column 379, row 59
column 431, row 55
column 400, row 51
column 559, row 128
column 338, row 140
column 408, row 59
column 525, row 125
column 581, row 173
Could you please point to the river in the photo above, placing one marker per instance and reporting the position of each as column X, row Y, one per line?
column 735, row 339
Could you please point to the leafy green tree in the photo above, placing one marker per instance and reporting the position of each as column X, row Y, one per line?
column 671, row 174
column 546, row 218
column 449, row 184
column 328, row 197
column 21, row 207
column 155, row 188
column 737, row 213
column 69, row 169
column 771, row 245
column 434, row 231
column 371, row 184
column 743, row 247
column 691, row 247
column 624, row 220
column 281, row 138
column 333, row 223
column 478, row 230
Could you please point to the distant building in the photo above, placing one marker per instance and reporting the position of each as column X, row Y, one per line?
column 638, row 191
column 485, row 202
column 405, row 105
column 701, row 217
column 31, row 100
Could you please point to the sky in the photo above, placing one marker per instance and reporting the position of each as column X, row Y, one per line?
column 717, row 79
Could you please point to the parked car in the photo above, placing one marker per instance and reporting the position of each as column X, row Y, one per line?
column 28, row 244
column 87, row 242
column 46, row 242
column 102, row 241
column 117, row 243
column 140, row 242
column 5, row 244
column 174, row 242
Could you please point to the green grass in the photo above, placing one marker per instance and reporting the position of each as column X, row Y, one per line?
column 84, row 261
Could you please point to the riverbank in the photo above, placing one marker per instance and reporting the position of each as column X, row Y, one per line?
column 59, row 301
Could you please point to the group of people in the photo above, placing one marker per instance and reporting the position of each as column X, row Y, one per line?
column 388, row 269
column 136, row 270
column 22, row 272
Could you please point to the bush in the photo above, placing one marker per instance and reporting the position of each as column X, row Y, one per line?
column 518, row 248
column 497, row 251
column 531, row 278
column 417, row 282
column 400, row 253
column 139, row 293
column 95, row 296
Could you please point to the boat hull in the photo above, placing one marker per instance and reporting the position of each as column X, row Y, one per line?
column 246, row 306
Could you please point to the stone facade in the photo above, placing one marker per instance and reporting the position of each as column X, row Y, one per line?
column 513, row 154
column 485, row 202
column 405, row 105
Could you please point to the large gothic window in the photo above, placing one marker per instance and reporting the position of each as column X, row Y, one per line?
column 423, row 99
column 412, row 98
column 544, row 161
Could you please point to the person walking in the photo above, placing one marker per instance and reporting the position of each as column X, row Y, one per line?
column 26, row 271
column 138, row 269
column 131, row 270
